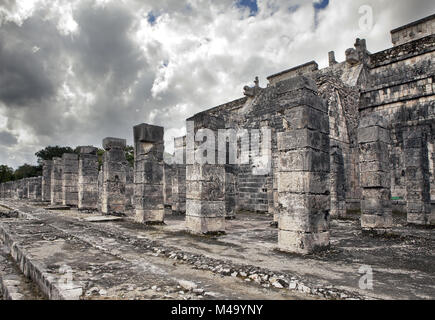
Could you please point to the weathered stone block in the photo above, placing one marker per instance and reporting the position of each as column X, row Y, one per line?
column 373, row 134
column 303, row 117
column 304, row 182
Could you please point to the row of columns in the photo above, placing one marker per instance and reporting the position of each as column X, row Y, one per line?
column 309, row 177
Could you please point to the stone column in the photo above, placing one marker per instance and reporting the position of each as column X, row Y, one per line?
column 338, row 183
column 70, row 171
column 418, row 203
column 114, row 176
column 46, row 180
column 230, row 191
column 56, row 182
column 375, row 180
column 25, row 189
column 205, row 182
column 19, row 189
column 179, row 178
column 88, row 178
column 148, row 173
column 303, row 172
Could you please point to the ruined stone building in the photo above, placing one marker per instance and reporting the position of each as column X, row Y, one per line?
column 356, row 136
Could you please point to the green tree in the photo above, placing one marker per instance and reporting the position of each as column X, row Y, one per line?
column 6, row 173
column 100, row 154
column 27, row 171
column 51, row 152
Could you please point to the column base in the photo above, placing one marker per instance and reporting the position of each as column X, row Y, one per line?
column 301, row 242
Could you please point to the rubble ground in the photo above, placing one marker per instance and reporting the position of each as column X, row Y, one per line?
column 124, row 260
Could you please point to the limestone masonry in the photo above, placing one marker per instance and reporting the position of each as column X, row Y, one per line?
column 354, row 137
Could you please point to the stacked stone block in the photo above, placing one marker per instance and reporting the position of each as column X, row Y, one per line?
column 303, row 172
column 417, row 176
column 56, row 182
column 25, row 189
column 100, row 190
column 375, row 179
column 70, row 171
column 179, row 178
column 338, row 183
column 88, row 178
column 114, row 176
column 148, row 173
column 46, row 180
column 34, row 188
column 205, row 183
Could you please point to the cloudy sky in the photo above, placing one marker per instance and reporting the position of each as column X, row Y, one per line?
column 74, row 72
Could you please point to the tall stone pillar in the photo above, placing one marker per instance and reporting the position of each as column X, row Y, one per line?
column 19, row 188
column 70, row 171
column 205, row 181
column 375, row 180
column 303, row 171
column 114, row 176
column 25, row 189
column 148, row 173
column 56, row 182
column 34, row 188
column 88, row 178
column 417, row 177
column 46, row 180
column 179, row 178
column 338, row 183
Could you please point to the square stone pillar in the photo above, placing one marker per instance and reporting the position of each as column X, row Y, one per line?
column 338, row 183
column 375, row 180
column 129, row 188
column 114, row 176
column 417, row 176
column 34, row 188
column 179, row 178
column 46, row 180
column 25, row 189
column 88, row 178
column 56, row 182
column 70, row 175
column 205, row 182
column 148, row 173
column 303, row 171
column 100, row 190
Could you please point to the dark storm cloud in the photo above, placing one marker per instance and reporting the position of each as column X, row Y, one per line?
column 7, row 139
